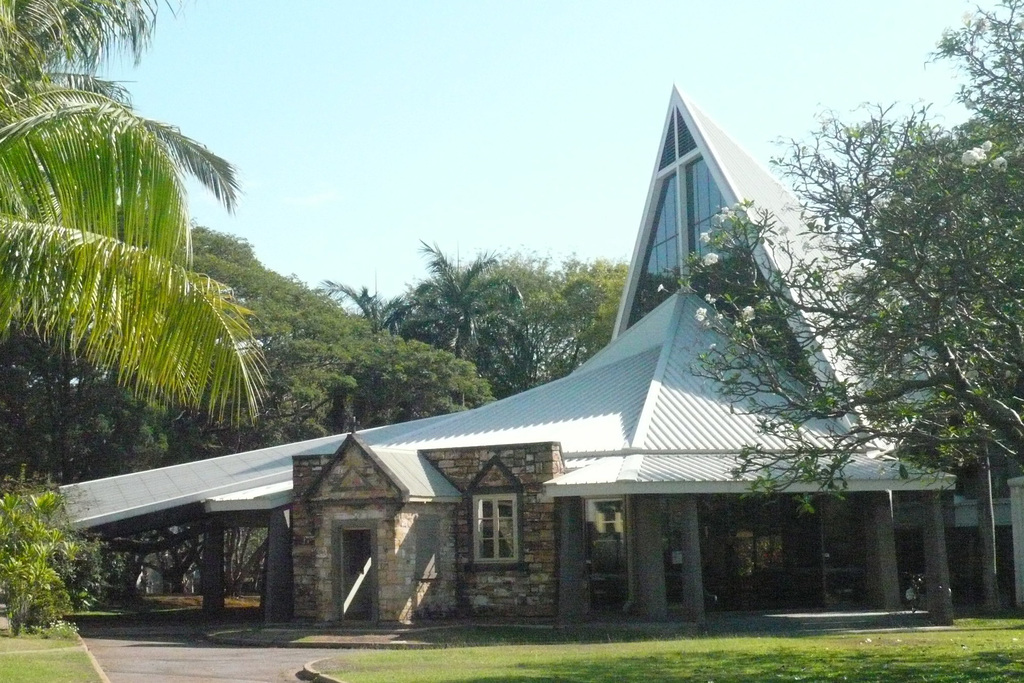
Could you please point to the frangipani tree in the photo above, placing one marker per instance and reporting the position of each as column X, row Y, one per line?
column 898, row 307
column 95, row 251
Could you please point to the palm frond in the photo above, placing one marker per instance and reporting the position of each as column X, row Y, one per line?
column 165, row 331
column 85, row 161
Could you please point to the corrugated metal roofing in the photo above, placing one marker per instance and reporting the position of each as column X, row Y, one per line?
column 107, row 500
column 636, row 399
column 415, row 475
column 259, row 498
column 594, row 409
column 687, row 412
column 710, row 472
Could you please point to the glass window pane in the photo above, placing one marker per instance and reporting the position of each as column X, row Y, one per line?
column 505, row 509
column 660, row 267
column 486, row 509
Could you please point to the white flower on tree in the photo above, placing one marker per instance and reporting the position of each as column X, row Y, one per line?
column 973, row 157
column 986, row 146
column 705, row 237
column 747, row 314
column 709, row 259
column 999, row 164
column 701, row 315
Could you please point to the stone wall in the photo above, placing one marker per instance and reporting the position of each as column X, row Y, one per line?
column 526, row 587
column 420, row 581
column 414, row 574
column 306, row 521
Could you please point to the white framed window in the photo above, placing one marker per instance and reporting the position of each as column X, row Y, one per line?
column 496, row 526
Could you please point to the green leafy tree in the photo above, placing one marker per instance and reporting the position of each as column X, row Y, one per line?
column 898, row 308
column 35, row 540
column 328, row 371
column 567, row 315
column 95, row 248
column 63, row 418
column 456, row 302
column 383, row 315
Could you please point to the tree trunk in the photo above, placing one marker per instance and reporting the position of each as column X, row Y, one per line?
column 987, row 532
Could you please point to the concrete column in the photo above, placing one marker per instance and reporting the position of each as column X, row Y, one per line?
column 939, row 597
column 277, row 589
column 648, row 565
column 693, row 574
column 1017, row 520
column 212, row 571
column 987, row 534
column 573, row 593
column 883, row 581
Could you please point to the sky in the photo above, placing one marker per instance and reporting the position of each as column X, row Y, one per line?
column 360, row 129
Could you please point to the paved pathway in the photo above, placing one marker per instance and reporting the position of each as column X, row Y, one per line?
column 147, row 654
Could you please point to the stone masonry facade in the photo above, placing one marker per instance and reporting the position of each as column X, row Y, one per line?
column 423, row 551
column 351, row 492
column 527, row 587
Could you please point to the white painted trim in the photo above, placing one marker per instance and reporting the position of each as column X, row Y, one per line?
column 623, row 488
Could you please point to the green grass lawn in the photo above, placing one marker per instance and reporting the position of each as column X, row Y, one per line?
column 978, row 650
column 30, row 658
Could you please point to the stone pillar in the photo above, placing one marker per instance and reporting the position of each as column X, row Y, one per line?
column 938, row 595
column 277, row 589
column 573, row 596
column 1017, row 520
column 883, row 581
column 648, row 565
column 693, row 574
column 212, row 571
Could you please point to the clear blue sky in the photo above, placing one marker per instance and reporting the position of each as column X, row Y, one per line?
column 360, row 128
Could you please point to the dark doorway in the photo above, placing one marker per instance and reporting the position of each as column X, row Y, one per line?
column 768, row 553
column 354, row 573
column 606, row 554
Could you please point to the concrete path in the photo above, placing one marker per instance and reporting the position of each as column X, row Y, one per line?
column 176, row 654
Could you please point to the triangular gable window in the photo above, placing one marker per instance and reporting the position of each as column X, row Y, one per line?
column 703, row 201
column 686, row 142
column 659, row 275
column 688, row 199
column 668, row 150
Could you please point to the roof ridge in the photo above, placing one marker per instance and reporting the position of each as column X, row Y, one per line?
column 643, row 423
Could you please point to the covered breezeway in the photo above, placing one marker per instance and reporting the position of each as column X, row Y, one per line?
column 208, row 497
column 643, row 538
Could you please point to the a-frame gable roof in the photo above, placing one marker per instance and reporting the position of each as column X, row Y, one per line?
column 407, row 471
column 737, row 175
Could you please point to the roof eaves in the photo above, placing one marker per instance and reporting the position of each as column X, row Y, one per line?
column 168, row 503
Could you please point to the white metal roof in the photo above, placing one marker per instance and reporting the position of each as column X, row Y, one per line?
column 638, row 400
column 258, row 498
column 415, row 476
column 710, row 472
column 594, row 409
column 112, row 499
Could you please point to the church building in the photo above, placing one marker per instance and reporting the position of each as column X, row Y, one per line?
column 613, row 490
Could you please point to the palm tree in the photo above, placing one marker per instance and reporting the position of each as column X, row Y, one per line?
column 384, row 315
column 95, row 248
column 452, row 305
